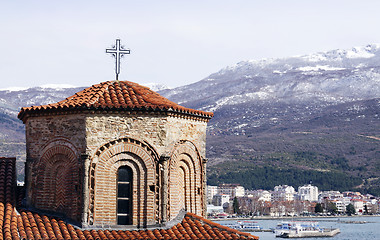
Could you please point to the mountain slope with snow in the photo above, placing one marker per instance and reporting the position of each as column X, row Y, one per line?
column 332, row 77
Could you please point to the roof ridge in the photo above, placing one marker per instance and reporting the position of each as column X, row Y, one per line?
column 96, row 96
column 217, row 225
column 115, row 95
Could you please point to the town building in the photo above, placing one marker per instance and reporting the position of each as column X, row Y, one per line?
column 211, row 192
column 283, row 193
column 239, row 191
column 234, row 190
column 329, row 195
column 372, row 205
column 214, row 210
column 221, row 200
column 358, row 205
column 308, row 193
column 356, row 195
column 261, row 195
column 340, row 205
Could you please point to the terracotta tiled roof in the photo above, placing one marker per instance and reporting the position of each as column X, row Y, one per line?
column 115, row 95
column 24, row 224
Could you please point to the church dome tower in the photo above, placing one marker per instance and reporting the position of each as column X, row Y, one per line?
column 116, row 153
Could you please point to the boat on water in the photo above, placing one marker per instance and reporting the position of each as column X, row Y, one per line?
column 302, row 229
column 245, row 226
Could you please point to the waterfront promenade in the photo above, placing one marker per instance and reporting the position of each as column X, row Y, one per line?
column 352, row 227
column 290, row 218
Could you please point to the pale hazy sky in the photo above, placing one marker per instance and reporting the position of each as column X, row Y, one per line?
column 171, row 42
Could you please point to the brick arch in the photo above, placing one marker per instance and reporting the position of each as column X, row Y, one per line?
column 185, row 172
column 143, row 160
column 61, row 145
column 185, row 156
column 55, row 179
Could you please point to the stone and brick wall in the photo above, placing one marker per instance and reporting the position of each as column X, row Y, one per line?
column 102, row 195
column 53, row 169
column 73, row 159
column 185, row 184
column 139, row 142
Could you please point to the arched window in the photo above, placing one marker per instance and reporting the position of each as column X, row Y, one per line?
column 182, row 188
column 124, row 195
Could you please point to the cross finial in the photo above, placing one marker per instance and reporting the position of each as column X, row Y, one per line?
column 118, row 51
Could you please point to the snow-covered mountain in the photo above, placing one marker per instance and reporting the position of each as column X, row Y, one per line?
column 13, row 98
column 330, row 77
column 156, row 86
column 259, row 94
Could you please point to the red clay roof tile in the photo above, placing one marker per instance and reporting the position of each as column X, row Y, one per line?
column 114, row 95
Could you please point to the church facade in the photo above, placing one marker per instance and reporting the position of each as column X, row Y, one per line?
column 116, row 153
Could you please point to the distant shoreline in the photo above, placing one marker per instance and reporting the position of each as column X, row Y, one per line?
column 280, row 218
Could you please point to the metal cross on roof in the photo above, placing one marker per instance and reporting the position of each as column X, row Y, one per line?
column 118, row 51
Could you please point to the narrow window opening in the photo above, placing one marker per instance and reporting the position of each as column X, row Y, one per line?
column 124, row 195
column 184, row 190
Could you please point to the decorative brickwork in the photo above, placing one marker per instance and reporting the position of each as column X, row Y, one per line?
column 143, row 160
column 56, row 179
column 185, row 180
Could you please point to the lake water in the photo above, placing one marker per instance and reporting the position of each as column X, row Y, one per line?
column 348, row 231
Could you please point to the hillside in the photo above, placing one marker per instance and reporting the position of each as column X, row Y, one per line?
column 276, row 121
column 314, row 116
column 343, row 141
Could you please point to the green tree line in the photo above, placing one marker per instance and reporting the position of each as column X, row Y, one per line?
column 267, row 177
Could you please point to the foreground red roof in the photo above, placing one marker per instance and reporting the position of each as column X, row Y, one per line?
column 115, row 95
column 18, row 223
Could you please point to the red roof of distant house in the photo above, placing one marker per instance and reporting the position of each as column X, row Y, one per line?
column 115, row 95
column 357, row 200
column 25, row 224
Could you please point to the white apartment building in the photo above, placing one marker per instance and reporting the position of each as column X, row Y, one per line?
column 308, row 193
column 283, row 193
column 234, row 190
column 239, row 191
column 211, row 192
column 358, row 205
column 262, row 195
column 221, row 199
column 340, row 205
column 329, row 195
column 211, row 209
column 372, row 205
column 346, row 201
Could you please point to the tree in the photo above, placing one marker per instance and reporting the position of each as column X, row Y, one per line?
column 365, row 209
column 350, row 209
column 235, row 206
column 318, row 208
column 331, row 208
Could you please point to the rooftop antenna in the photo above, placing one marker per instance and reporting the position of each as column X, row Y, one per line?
column 117, row 51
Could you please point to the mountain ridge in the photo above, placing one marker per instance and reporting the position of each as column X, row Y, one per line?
column 287, row 79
